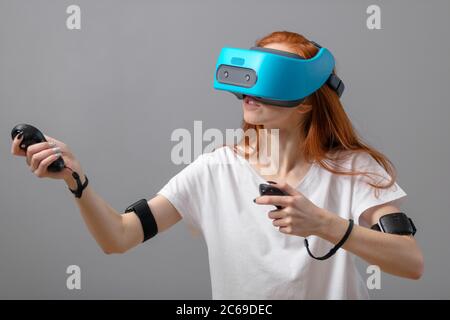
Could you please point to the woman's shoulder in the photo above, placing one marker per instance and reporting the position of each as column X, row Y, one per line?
column 351, row 159
column 365, row 167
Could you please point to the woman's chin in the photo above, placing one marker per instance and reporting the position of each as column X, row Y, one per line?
column 252, row 118
column 252, row 115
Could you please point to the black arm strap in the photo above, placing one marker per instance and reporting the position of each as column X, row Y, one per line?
column 395, row 223
column 336, row 247
column 145, row 215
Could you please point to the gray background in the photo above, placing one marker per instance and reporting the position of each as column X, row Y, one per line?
column 115, row 90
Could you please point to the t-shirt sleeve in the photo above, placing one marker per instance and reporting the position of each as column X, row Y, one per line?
column 364, row 195
column 184, row 191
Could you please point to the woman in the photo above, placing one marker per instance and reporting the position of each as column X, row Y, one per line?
column 256, row 252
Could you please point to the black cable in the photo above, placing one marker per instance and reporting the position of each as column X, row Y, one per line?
column 80, row 186
column 336, row 247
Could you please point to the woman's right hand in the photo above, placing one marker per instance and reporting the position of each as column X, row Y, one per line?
column 115, row 232
column 40, row 155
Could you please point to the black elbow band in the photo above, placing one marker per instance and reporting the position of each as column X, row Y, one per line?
column 395, row 223
column 145, row 215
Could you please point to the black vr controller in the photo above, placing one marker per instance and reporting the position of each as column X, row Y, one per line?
column 270, row 190
column 32, row 135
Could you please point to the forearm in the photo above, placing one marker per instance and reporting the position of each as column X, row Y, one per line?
column 103, row 222
column 394, row 254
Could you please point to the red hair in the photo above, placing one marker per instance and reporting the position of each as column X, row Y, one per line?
column 326, row 128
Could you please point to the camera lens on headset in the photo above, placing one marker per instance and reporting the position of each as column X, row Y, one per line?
column 225, row 74
column 247, row 77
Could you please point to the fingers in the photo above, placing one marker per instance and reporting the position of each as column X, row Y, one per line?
column 39, row 147
column 276, row 214
column 283, row 201
column 286, row 230
column 15, row 146
column 284, row 222
column 285, row 187
column 284, row 225
column 41, row 170
column 282, row 219
column 57, row 145
column 40, row 156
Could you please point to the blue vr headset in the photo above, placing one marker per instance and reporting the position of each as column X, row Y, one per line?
column 273, row 76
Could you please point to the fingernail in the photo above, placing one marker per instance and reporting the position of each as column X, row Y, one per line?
column 20, row 135
column 272, row 182
column 51, row 144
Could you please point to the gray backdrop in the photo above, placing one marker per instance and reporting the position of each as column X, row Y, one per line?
column 116, row 89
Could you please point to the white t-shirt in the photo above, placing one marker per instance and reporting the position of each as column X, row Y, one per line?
column 248, row 257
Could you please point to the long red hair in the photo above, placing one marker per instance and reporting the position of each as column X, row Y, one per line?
column 326, row 128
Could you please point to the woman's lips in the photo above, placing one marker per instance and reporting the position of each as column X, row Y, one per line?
column 251, row 102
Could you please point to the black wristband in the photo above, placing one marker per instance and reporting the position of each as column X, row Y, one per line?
column 336, row 247
column 80, row 186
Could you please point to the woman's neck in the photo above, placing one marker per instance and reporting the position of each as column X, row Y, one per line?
column 283, row 152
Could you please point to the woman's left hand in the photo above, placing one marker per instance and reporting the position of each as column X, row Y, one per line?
column 299, row 216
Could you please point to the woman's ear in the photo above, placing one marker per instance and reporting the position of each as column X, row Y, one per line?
column 304, row 108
